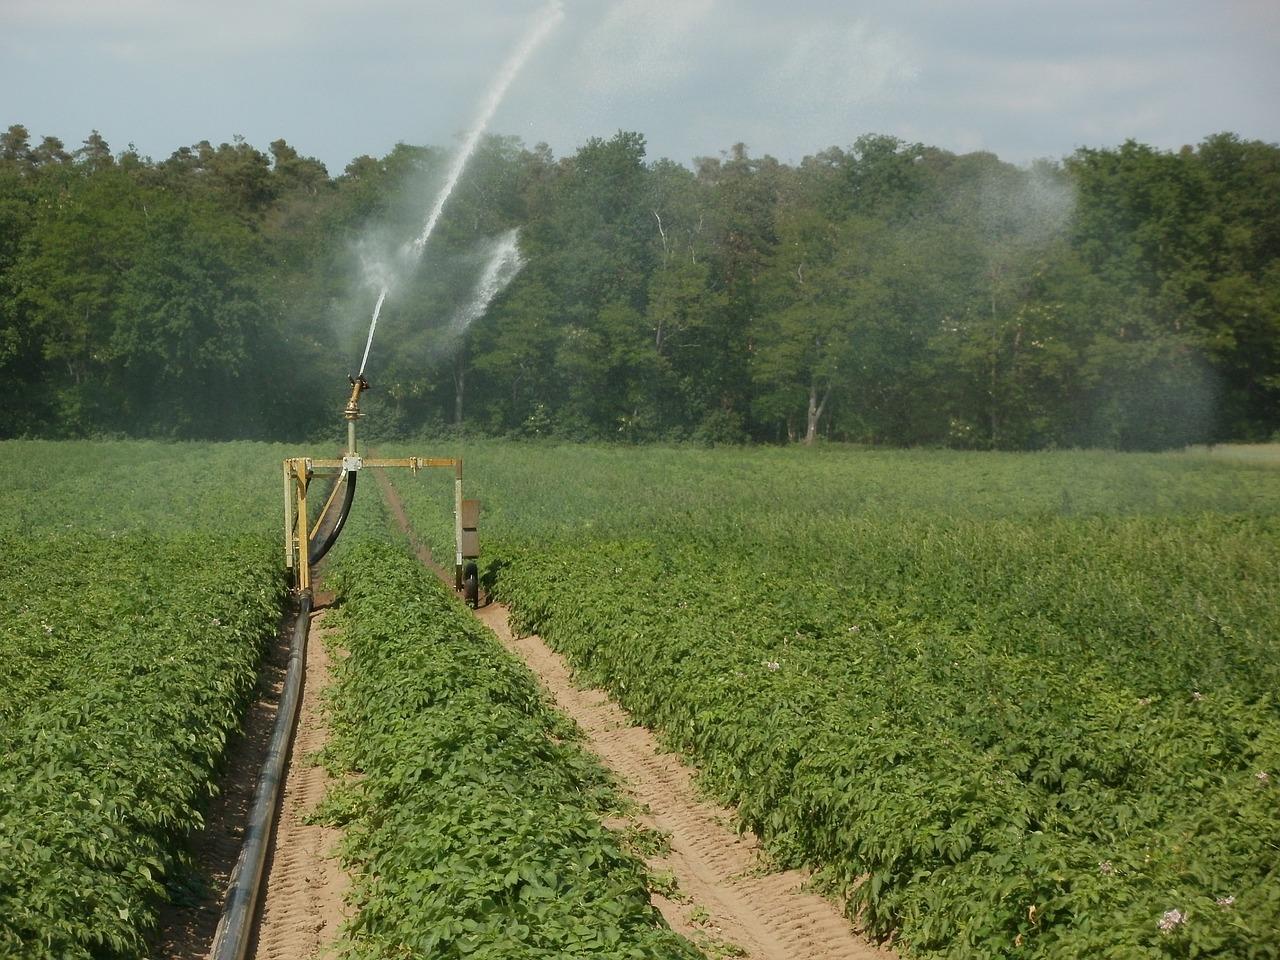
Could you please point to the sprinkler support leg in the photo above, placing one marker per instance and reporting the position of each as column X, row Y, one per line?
column 304, row 559
column 288, row 516
column 457, row 524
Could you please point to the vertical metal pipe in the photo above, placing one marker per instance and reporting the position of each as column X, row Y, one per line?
column 304, row 559
column 288, row 516
column 457, row 523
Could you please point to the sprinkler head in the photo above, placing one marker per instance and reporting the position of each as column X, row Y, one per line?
column 358, row 385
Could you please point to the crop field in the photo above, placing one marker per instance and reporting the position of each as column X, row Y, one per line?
column 139, row 584
column 1014, row 705
column 1003, row 704
column 474, row 826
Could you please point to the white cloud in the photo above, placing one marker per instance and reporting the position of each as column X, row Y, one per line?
column 344, row 77
column 855, row 63
column 643, row 44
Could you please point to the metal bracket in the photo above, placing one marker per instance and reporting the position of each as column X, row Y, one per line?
column 350, row 464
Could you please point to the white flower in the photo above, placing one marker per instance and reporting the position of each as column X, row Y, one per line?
column 1105, row 868
column 1225, row 901
column 1171, row 920
column 1197, row 696
column 772, row 664
column 1262, row 776
column 854, row 629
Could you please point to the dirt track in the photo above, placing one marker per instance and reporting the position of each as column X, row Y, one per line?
column 302, row 906
column 304, row 886
column 724, row 898
column 720, row 897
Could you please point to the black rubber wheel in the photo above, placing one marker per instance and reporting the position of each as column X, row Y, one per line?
column 471, row 586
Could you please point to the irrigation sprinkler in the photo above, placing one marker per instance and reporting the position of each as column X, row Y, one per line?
column 305, row 544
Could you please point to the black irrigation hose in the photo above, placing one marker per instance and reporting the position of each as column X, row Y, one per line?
column 231, row 942
column 322, row 541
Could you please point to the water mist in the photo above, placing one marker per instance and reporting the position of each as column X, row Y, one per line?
column 547, row 19
column 501, row 268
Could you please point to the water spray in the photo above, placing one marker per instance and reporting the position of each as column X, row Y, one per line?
column 550, row 16
column 503, row 265
column 373, row 325
column 305, row 545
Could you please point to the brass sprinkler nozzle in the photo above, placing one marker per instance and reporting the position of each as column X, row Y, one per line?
column 352, row 409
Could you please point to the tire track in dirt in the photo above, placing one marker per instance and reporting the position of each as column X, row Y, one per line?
column 724, row 894
column 303, row 905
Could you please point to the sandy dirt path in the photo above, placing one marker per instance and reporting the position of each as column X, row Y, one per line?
column 725, row 898
column 304, row 886
column 302, row 906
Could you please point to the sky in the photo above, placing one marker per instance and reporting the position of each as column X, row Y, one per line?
column 337, row 79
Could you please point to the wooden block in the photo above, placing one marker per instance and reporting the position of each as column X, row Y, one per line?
column 470, row 514
column 470, row 544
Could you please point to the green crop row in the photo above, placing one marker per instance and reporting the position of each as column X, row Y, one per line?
column 125, row 663
column 1033, row 721
column 139, row 582
column 99, row 487
column 472, row 817
column 969, row 798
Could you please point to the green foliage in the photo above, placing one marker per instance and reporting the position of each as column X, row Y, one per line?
column 140, row 583
column 1004, row 705
column 127, row 662
column 885, row 292
column 106, row 488
column 474, row 821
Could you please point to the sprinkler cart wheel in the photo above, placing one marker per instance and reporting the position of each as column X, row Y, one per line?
column 470, row 586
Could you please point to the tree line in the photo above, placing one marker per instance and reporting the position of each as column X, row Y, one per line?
column 885, row 292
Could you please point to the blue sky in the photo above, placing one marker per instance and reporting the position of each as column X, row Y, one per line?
column 787, row 77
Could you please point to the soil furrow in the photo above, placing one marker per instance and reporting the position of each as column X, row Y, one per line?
column 187, row 926
column 302, row 906
column 722, row 895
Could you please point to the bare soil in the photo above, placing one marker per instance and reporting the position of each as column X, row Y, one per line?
column 304, row 885
column 303, row 904
column 721, row 895
column 1259, row 453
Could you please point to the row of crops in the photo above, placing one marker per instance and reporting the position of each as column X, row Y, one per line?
column 1005, row 705
column 471, row 816
column 139, row 584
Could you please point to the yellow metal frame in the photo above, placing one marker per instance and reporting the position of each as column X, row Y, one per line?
column 299, row 471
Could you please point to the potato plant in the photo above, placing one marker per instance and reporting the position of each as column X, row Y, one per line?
column 1003, row 705
column 139, row 584
column 127, row 663
column 472, row 818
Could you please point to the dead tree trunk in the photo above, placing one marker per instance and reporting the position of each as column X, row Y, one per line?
column 816, row 410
